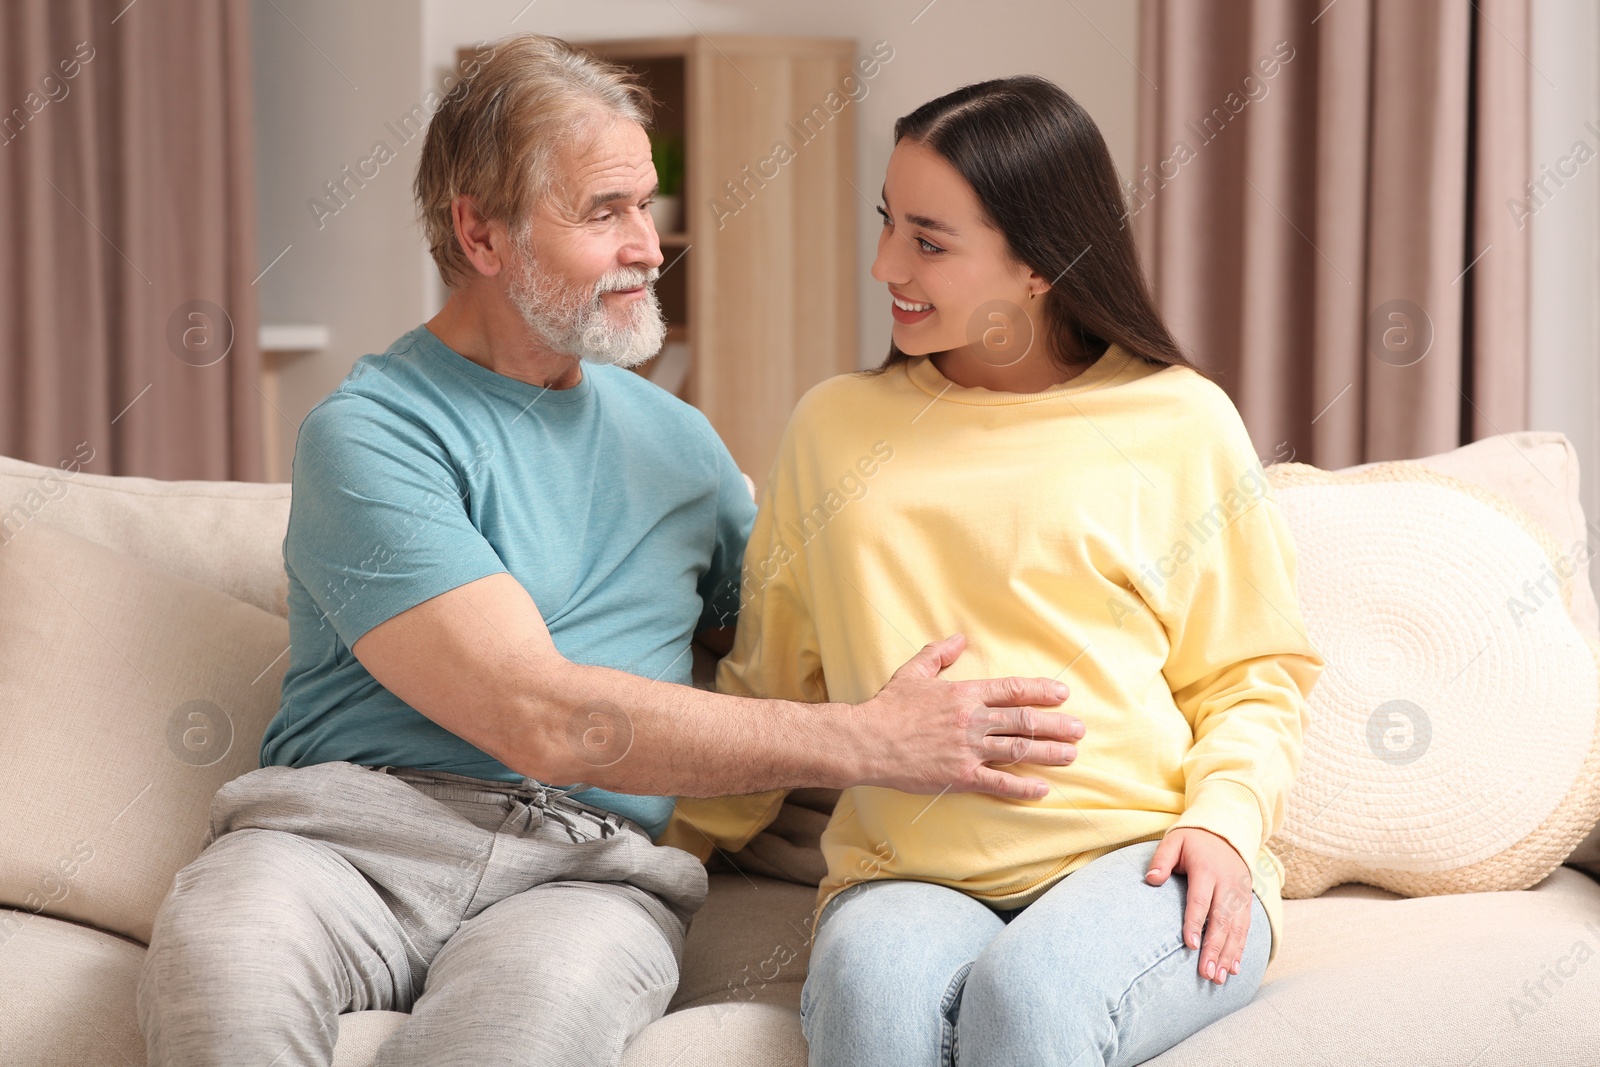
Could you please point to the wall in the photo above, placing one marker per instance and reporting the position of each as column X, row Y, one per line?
column 1564, row 297
column 329, row 78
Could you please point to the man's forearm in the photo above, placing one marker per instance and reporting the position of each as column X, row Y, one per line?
column 478, row 661
column 628, row 734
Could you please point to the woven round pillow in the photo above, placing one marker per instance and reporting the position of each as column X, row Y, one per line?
column 1454, row 736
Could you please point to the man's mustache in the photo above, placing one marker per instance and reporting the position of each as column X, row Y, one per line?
column 627, row 278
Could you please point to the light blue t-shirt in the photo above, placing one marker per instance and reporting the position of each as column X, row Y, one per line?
column 614, row 504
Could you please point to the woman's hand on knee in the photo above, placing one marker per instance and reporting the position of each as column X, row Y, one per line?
column 1219, row 896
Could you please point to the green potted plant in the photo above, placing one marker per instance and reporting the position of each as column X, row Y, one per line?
column 666, row 149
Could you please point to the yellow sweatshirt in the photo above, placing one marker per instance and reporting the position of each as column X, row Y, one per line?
column 1115, row 531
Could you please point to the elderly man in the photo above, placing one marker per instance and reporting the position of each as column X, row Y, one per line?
column 500, row 547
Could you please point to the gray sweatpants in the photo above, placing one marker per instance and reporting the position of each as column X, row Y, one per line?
column 517, row 926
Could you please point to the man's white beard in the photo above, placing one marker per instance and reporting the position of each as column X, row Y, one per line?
column 576, row 323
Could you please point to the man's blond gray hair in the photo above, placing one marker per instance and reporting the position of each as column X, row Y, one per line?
column 497, row 133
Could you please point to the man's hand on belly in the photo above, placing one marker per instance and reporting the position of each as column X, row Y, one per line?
column 960, row 736
column 479, row 661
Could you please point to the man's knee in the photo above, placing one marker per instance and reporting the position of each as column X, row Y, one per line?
column 258, row 909
column 247, row 879
column 609, row 936
column 569, row 972
column 241, row 961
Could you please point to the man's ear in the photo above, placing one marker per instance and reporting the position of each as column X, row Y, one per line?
column 483, row 241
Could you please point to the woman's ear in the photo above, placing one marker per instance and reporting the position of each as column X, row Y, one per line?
column 1035, row 283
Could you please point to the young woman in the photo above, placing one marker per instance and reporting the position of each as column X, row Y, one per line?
column 1038, row 470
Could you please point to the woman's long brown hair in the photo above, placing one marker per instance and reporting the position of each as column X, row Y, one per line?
column 1044, row 177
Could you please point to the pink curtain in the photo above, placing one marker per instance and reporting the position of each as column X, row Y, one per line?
column 128, row 320
column 1325, row 206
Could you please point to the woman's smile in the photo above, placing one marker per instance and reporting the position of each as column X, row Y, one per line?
column 908, row 311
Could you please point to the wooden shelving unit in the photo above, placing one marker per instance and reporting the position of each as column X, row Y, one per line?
column 279, row 345
column 760, row 283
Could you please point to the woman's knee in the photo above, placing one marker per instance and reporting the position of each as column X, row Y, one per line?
column 1109, row 1001
column 886, row 970
column 877, row 933
column 1172, row 1002
column 1033, row 1000
column 852, row 957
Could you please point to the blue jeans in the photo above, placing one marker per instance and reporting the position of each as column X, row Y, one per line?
column 1094, row 972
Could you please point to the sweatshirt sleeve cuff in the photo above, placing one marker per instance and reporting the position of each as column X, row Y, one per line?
column 701, row 825
column 1230, row 811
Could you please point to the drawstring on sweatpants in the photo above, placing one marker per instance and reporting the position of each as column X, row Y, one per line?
column 544, row 797
column 538, row 795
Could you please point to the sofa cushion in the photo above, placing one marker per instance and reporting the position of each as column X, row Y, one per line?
column 722, row 1035
column 1537, row 471
column 128, row 696
column 750, row 943
column 228, row 535
column 1486, row 979
column 67, row 997
column 1454, row 661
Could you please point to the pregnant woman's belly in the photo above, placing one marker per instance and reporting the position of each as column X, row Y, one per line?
column 1126, row 785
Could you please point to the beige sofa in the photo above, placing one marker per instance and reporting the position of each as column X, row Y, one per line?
column 141, row 641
